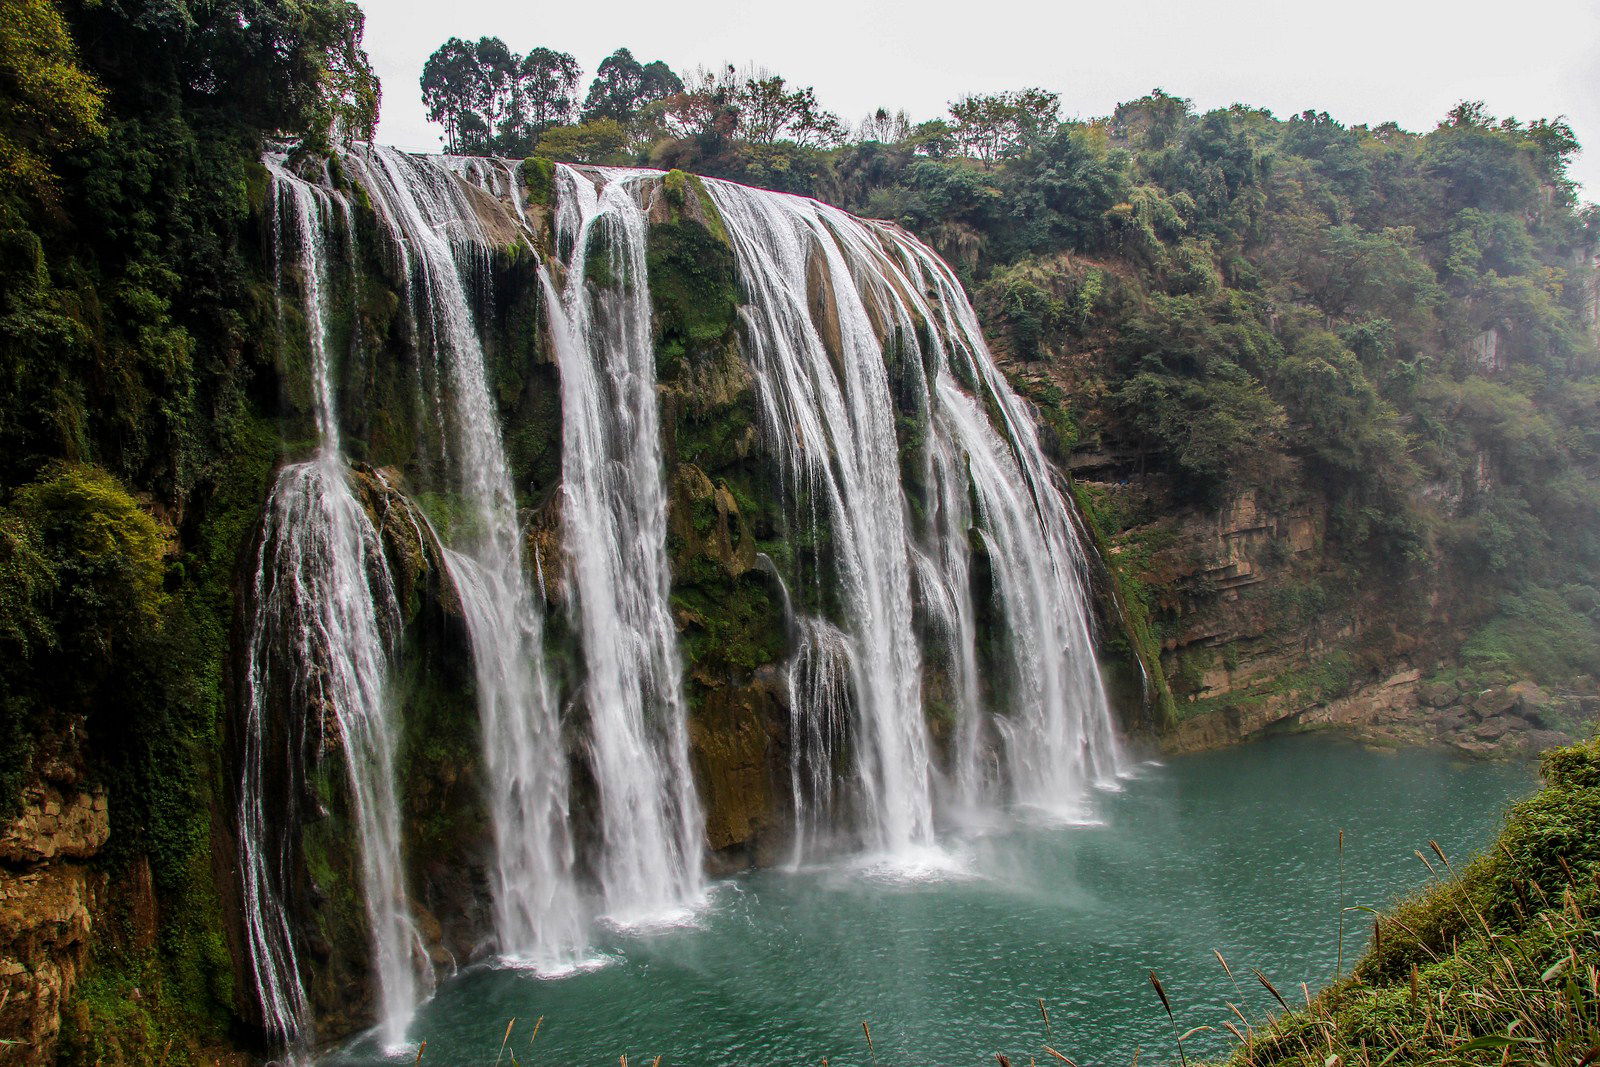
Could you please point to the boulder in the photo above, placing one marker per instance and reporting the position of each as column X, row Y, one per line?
column 1496, row 701
column 1533, row 703
column 1541, row 740
column 1437, row 694
column 1492, row 729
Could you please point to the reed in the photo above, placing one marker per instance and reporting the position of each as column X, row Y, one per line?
column 1167, row 1004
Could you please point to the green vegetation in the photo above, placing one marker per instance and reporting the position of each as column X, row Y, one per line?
column 1492, row 964
column 1398, row 324
column 136, row 439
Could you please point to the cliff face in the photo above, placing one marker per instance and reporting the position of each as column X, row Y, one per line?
column 1263, row 624
column 50, row 896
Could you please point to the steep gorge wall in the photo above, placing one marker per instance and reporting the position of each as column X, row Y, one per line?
column 1261, row 619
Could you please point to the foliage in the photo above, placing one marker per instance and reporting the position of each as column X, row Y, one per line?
column 52, row 104
column 492, row 101
column 1550, row 635
column 622, row 86
column 993, row 125
column 135, row 436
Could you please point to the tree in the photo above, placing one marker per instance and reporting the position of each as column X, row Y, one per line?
column 991, row 126
column 769, row 111
column 50, row 104
column 622, row 86
column 707, row 108
column 452, row 89
column 499, row 73
column 349, row 93
column 885, row 127
column 549, row 83
column 492, row 101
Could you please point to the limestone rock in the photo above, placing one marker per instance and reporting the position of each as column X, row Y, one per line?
column 1496, row 701
column 1437, row 695
column 1535, row 741
column 46, row 898
column 1492, row 729
column 56, row 824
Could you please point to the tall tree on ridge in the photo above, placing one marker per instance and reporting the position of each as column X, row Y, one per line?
column 622, row 85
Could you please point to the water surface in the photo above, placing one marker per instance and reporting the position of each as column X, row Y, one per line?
column 1233, row 850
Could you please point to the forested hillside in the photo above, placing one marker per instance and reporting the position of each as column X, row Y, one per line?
column 134, row 456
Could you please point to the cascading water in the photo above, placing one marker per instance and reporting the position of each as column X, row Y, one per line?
column 941, row 578
column 830, row 416
column 615, row 517
column 836, row 304
column 325, row 618
column 819, row 710
column 1059, row 738
column 438, row 236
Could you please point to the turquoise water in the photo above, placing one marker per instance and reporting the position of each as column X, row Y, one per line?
column 1232, row 850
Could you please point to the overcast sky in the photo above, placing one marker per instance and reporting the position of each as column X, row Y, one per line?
column 1360, row 60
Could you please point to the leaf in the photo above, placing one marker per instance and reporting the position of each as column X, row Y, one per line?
column 1489, row 1041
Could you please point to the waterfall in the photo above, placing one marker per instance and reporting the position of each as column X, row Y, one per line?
column 1059, row 738
column 850, row 323
column 615, row 518
column 819, row 710
column 942, row 655
column 439, row 239
column 830, row 416
column 325, row 619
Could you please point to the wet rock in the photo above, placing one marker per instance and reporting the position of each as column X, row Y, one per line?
column 56, row 824
column 1496, row 701
column 1535, row 741
column 46, row 898
column 1492, row 729
column 1437, row 694
column 1533, row 703
column 1481, row 749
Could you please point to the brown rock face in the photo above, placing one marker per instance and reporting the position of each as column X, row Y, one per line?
column 46, row 898
column 734, row 738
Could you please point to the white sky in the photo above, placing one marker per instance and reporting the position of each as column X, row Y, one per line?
column 1360, row 60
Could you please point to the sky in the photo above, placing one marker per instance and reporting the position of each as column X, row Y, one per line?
column 1362, row 61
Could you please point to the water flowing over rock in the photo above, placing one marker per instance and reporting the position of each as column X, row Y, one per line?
column 616, row 520
column 895, row 429
column 438, row 233
column 779, row 569
column 324, row 622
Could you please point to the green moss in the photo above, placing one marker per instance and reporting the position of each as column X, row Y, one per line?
column 258, row 187
column 1136, row 640
column 675, row 185
column 539, row 179
column 732, row 623
column 439, row 749
column 694, row 289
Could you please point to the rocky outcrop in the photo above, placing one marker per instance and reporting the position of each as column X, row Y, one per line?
column 48, row 894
